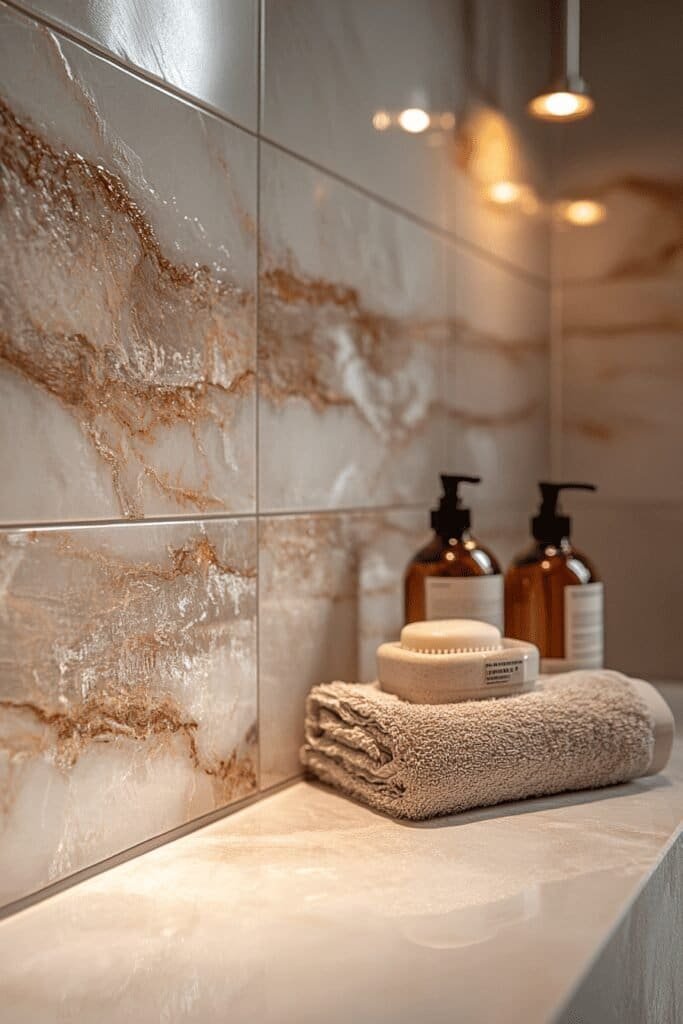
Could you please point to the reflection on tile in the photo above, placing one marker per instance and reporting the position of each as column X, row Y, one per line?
column 500, row 396
column 127, row 280
column 352, row 332
column 622, row 327
column 637, row 551
column 331, row 592
column 128, row 695
column 207, row 50
column 477, row 64
column 622, row 356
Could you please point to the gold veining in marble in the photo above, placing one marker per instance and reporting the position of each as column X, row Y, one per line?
column 128, row 653
column 97, row 316
column 301, row 318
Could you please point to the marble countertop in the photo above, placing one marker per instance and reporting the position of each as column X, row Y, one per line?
column 307, row 907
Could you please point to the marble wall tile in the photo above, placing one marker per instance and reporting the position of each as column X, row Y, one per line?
column 622, row 351
column 476, row 63
column 637, row 551
column 498, row 389
column 504, row 526
column 128, row 688
column 208, row 50
column 127, row 292
column 620, row 331
column 331, row 591
column 352, row 333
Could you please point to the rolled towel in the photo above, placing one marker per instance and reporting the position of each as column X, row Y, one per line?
column 581, row 730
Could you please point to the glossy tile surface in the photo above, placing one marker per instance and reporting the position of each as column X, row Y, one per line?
column 500, row 381
column 388, row 352
column 473, row 64
column 637, row 551
column 352, row 336
column 343, row 915
column 622, row 343
column 620, row 352
column 208, row 49
column 128, row 688
column 331, row 592
column 127, row 293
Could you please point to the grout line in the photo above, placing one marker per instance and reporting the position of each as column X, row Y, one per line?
column 98, row 50
column 89, row 524
column 139, row 849
column 91, row 46
column 257, row 403
column 539, row 280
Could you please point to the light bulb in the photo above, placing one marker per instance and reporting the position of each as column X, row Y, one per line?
column 561, row 106
column 414, row 120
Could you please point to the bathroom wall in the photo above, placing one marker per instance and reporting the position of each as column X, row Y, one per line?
column 242, row 330
column 619, row 350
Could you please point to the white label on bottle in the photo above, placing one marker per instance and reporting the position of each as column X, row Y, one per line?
column 583, row 630
column 465, row 597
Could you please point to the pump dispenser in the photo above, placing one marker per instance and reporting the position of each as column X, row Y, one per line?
column 454, row 576
column 553, row 596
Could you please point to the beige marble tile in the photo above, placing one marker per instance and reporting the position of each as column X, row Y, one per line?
column 128, row 688
column 352, row 335
column 621, row 327
column 622, row 356
column 127, row 284
column 475, row 63
column 331, row 592
column 207, row 50
column 504, row 526
column 636, row 549
column 498, row 382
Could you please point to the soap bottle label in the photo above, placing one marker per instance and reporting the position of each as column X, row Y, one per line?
column 465, row 597
column 583, row 630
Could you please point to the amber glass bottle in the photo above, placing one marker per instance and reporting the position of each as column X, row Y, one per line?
column 453, row 576
column 553, row 596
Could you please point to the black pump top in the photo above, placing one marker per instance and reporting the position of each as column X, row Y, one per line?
column 449, row 519
column 549, row 525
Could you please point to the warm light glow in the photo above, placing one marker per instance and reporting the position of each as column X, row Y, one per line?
column 381, row 121
column 505, row 192
column 583, row 212
column 561, row 106
column 414, row 120
column 447, row 121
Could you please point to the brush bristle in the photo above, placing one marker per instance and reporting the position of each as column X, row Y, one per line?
column 450, row 650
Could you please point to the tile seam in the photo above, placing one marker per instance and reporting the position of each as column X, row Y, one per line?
column 140, row 849
column 202, row 107
column 257, row 404
column 88, row 524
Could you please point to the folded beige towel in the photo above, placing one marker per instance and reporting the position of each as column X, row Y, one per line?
column 580, row 730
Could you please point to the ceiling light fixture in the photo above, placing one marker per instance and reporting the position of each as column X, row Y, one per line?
column 566, row 98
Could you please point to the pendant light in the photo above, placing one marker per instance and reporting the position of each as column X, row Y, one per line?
column 566, row 98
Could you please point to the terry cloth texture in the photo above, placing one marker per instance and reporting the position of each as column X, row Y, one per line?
column 580, row 730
